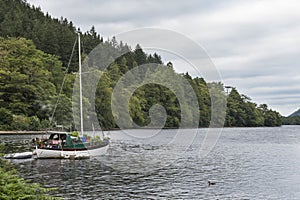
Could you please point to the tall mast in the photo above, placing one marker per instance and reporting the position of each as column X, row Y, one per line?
column 80, row 85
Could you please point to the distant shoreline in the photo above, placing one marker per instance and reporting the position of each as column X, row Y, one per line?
column 21, row 132
column 115, row 129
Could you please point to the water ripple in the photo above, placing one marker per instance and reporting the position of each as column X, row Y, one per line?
column 247, row 163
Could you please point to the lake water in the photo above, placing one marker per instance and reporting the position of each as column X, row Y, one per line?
column 246, row 163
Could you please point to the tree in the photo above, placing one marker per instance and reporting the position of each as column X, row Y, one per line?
column 25, row 84
column 103, row 102
column 29, row 81
column 242, row 112
column 271, row 118
column 139, row 55
column 6, row 119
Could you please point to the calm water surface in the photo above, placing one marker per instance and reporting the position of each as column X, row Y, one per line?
column 246, row 163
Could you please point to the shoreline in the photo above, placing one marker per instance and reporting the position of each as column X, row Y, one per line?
column 115, row 129
column 22, row 132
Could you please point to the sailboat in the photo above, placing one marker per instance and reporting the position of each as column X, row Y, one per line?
column 72, row 145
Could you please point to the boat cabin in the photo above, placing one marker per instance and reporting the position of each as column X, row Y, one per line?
column 67, row 141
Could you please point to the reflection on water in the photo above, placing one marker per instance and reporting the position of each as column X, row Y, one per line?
column 246, row 163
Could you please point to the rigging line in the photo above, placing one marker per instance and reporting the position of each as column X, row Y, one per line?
column 82, row 46
column 63, row 82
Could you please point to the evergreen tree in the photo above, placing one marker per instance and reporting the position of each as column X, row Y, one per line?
column 139, row 55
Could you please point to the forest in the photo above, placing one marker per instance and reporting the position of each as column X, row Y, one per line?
column 292, row 119
column 35, row 52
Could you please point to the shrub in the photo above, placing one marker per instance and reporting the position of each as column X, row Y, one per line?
column 20, row 122
column 6, row 119
column 34, row 123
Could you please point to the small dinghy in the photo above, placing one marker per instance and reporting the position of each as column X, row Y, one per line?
column 23, row 155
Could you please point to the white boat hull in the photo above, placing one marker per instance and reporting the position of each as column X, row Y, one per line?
column 70, row 154
column 23, row 155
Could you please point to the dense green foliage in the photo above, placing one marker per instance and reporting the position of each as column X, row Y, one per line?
column 53, row 36
column 242, row 112
column 29, row 82
column 14, row 187
column 32, row 71
column 291, row 120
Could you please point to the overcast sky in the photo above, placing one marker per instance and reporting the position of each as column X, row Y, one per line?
column 255, row 44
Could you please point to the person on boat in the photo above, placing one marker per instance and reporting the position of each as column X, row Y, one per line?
column 63, row 139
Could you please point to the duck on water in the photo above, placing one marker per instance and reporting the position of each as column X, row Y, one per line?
column 211, row 183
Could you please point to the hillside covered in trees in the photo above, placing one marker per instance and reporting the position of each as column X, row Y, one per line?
column 292, row 119
column 34, row 55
